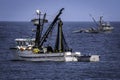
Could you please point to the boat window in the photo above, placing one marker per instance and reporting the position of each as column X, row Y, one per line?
column 17, row 43
column 21, row 43
column 24, row 43
column 27, row 43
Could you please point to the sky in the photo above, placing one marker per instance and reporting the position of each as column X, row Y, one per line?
column 75, row 10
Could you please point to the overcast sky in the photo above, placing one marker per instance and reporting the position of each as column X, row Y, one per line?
column 75, row 10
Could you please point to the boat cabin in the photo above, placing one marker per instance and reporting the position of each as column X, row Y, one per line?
column 25, row 43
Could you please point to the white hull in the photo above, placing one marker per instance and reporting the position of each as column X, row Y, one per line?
column 59, row 57
column 107, row 28
column 30, row 56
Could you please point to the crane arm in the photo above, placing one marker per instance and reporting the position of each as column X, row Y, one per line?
column 50, row 28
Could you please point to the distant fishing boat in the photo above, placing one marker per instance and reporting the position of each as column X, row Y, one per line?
column 33, row 49
column 101, row 27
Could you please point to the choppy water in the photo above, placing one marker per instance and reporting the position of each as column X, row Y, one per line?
column 107, row 45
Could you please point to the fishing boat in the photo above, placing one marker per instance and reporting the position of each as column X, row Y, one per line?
column 101, row 27
column 33, row 49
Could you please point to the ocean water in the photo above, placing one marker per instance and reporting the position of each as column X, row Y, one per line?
column 107, row 45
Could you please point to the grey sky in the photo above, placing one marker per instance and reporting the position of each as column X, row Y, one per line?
column 75, row 10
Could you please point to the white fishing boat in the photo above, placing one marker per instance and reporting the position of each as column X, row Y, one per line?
column 33, row 49
column 104, row 26
column 101, row 27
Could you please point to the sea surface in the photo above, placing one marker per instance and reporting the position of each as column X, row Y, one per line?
column 107, row 45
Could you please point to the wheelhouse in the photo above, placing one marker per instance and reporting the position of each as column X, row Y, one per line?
column 25, row 42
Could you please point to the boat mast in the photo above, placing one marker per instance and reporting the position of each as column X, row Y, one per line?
column 38, row 30
column 60, row 45
column 42, row 24
column 100, row 25
column 43, row 39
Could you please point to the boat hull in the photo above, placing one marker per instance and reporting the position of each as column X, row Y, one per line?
column 30, row 56
column 59, row 57
column 107, row 28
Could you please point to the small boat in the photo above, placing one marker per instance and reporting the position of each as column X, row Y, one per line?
column 101, row 27
column 33, row 49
